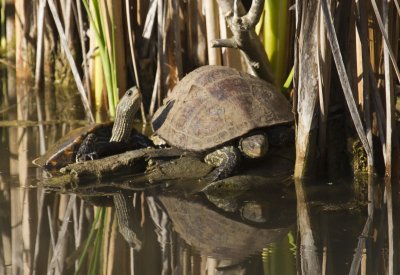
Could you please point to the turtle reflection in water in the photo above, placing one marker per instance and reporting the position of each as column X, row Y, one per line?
column 96, row 141
column 224, row 113
column 224, row 237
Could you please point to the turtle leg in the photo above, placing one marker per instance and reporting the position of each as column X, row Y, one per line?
column 140, row 141
column 225, row 160
column 88, row 149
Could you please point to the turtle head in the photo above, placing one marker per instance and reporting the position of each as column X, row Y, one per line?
column 254, row 146
column 126, row 110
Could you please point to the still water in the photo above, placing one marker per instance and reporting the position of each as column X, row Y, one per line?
column 291, row 228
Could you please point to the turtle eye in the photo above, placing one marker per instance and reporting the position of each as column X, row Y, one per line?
column 129, row 92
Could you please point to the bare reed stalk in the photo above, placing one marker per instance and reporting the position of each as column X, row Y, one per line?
column 65, row 7
column 78, row 217
column 324, row 83
column 40, row 219
column 359, row 257
column 310, row 262
column 51, row 230
column 196, row 34
column 389, row 135
column 160, row 52
column 71, row 61
column 380, row 113
column 177, row 37
column 115, row 11
column 363, row 65
column 57, row 261
column 344, row 79
column 154, row 94
column 212, row 27
column 38, row 70
column 132, row 48
column 386, row 39
column 108, row 247
column 83, row 48
column 307, row 86
column 148, row 25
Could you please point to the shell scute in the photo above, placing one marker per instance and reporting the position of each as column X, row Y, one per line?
column 215, row 104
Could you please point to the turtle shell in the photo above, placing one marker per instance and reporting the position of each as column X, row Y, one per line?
column 215, row 104
column 63, row 152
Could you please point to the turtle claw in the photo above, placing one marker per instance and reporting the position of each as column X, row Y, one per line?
column 85, row 157
column 87, row 150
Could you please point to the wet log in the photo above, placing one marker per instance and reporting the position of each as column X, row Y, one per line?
column 144, row 161
column 140, row 167
column 136, row 170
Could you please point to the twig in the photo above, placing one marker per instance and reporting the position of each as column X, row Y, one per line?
column 245, row 37
column 71, row 61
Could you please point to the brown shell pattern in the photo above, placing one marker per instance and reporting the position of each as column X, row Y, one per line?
column 64, row 150
column 215, row 104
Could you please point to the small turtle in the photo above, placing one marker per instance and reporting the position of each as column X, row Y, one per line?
column 98, row 140
column 223, row 114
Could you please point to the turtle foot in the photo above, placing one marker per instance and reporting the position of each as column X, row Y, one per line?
column 225, row 161
column 88, row 149
column 85, row 157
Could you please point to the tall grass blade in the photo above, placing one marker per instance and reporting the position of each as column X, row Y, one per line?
column 99, row 216
column 107, row 61
column 275, row 36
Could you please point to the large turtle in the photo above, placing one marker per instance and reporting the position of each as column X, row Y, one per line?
column 98, row 140
column 223, row 113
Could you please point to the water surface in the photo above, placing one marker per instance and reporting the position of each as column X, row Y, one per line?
column 303, row 228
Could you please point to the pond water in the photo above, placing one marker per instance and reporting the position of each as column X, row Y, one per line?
column 319, row 228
